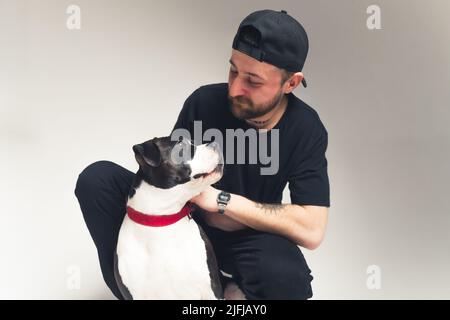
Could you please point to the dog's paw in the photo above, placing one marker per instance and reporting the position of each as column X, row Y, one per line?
column 233, row 292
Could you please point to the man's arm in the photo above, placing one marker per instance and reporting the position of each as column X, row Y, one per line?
column 305, row 225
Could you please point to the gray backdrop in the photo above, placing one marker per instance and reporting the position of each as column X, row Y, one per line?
column 71, row 97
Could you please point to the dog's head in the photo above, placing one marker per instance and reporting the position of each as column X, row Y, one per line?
column 165, row 164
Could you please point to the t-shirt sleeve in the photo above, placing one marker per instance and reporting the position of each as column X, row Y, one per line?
column 308, row 181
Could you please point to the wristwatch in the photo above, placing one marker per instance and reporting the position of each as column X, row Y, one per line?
column 222, row 200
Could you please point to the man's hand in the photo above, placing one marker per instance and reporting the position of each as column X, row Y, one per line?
column 207, row 200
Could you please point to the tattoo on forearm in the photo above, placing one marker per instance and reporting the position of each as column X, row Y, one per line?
column 270, row 208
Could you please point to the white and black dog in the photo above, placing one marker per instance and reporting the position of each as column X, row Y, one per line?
column 161, row 252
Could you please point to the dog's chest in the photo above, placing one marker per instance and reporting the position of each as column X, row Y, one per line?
column 164, row 262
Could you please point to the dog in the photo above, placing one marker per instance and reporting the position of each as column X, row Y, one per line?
column 161, row 252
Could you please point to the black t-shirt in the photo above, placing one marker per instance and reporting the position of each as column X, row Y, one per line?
column 302, row 142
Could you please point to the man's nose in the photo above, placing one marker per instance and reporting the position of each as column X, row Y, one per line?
column 235, row 88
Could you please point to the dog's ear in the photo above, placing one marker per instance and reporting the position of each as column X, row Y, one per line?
column 147, row 154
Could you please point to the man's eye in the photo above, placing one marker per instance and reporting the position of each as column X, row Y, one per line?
column 254, row 84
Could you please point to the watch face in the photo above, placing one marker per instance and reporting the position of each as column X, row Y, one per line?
column 224, row 196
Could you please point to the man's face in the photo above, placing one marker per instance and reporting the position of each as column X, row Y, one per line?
column 254, row 88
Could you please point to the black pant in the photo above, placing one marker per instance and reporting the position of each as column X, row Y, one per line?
column 264, row 265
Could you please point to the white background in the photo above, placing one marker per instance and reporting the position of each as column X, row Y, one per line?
column 69, row 98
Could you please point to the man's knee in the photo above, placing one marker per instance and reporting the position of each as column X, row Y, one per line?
column 99, row 194
column 93, row 176
column 281, row 271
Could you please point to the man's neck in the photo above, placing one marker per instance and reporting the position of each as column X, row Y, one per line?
column 269, row 120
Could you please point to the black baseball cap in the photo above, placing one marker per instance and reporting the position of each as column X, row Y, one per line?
column 273, row 37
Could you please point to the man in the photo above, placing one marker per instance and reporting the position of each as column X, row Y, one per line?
column 255, row 237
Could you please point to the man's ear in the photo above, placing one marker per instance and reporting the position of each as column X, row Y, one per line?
column 147, row 154
column 293, row 82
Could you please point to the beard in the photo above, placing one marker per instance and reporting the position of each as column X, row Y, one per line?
column 243, row 108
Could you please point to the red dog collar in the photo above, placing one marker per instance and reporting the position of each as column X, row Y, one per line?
column 158, row 221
